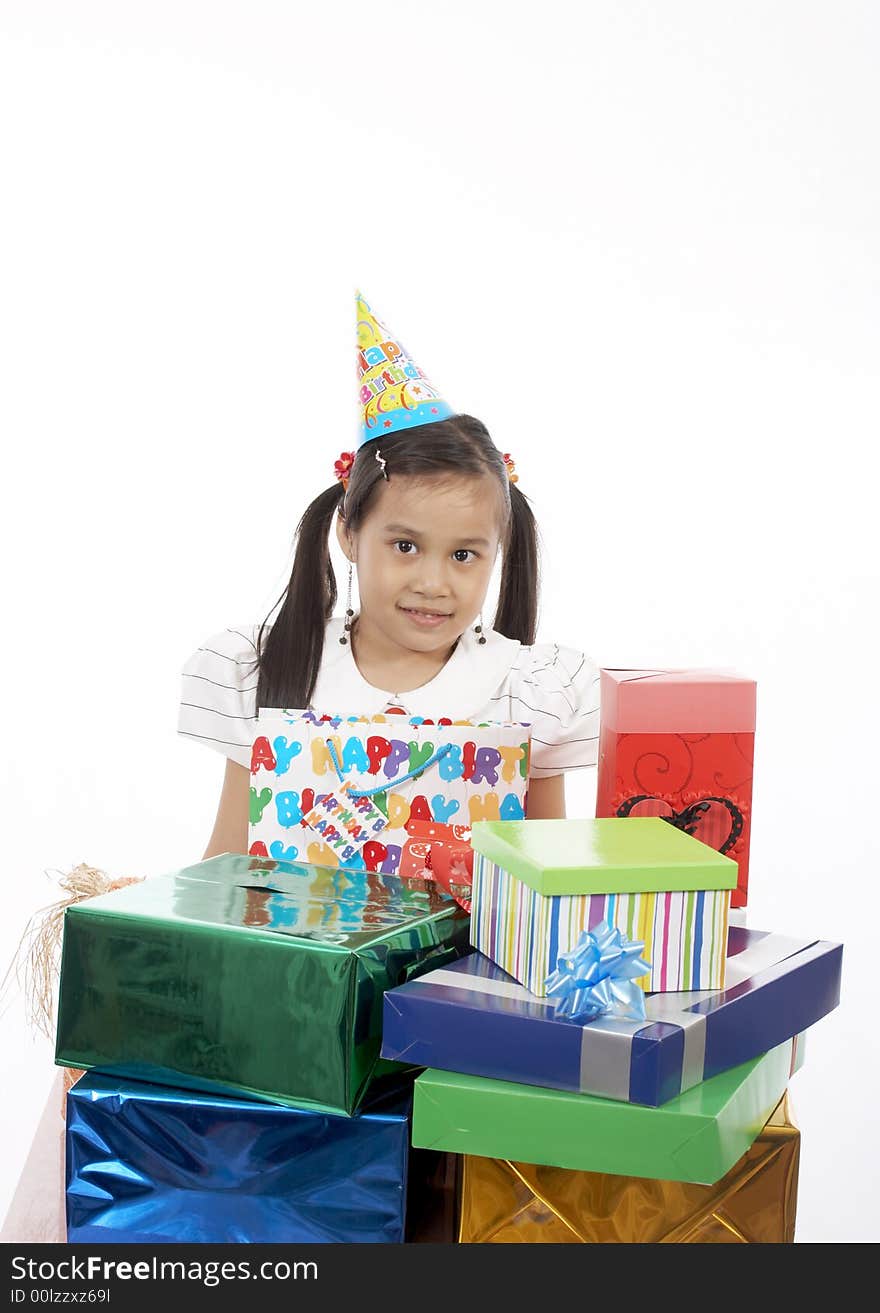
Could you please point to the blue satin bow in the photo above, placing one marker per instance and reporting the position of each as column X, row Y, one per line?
column 598, row 977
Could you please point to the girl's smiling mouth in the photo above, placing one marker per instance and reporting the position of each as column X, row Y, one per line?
column 424, row 618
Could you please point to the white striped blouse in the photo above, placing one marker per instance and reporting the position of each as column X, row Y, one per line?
column 553, row 689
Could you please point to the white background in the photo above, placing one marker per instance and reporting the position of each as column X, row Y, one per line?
column 639, row 240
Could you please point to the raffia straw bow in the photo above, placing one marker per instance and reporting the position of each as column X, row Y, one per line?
column 35, row 967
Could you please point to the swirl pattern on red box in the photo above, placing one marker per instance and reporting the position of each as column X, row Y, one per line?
column 701, row 783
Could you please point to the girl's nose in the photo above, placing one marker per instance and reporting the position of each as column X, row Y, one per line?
column 433, row 579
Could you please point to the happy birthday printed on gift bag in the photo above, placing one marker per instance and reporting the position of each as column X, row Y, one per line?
column 363, row 791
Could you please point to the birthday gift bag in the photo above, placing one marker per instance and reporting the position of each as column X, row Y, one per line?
column 376, row 793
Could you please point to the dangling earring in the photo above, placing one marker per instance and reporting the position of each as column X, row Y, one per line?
column 344, row 637
column 478, row 630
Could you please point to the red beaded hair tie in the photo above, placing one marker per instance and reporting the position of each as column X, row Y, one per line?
column 342, row 468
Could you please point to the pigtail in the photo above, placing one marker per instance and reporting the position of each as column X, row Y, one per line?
column 517, row 613
column 289, row 655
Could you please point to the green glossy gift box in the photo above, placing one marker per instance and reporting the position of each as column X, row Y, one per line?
column 249, row 976
column 696, row 1137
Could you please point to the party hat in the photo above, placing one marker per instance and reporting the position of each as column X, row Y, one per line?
column 394, row 393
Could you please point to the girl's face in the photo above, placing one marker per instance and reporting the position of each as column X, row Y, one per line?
column 424, row 555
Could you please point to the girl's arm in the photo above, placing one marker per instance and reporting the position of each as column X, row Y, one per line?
column 546, row 798
column 230, row 833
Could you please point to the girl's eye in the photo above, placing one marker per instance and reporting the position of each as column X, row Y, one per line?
column 464, row 554
column 404, row 546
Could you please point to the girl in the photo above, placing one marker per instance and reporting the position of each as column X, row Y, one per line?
column 421, row 512
column 421, row 515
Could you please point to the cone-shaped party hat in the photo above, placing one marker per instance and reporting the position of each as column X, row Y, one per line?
column 394, row 393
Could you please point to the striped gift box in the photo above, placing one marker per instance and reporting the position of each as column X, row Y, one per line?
column 526, row 912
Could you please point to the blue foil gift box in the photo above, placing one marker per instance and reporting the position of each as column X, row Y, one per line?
column 151, row 1164
column 473, row 1018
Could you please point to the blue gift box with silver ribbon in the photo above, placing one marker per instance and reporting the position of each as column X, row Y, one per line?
column 475, row 1019
column 153, row 1164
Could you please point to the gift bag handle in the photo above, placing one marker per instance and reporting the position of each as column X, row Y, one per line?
column 401, row 779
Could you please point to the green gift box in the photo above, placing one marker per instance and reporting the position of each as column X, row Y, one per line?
column 247, row 976
column 696, row 1137
column 537, row 884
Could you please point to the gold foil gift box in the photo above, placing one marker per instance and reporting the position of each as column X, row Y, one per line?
column 520, row 1203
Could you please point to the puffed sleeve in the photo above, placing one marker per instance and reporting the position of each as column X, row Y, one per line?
column 557, row 690
column 219, row 693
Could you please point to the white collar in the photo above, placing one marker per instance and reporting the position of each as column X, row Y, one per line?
column 461, row 689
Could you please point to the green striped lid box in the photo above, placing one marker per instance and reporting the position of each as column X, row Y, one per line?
column 539, row 883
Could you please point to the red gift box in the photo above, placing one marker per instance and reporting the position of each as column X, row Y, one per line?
column 680, row 744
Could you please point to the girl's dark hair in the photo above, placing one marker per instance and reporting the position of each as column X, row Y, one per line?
column 289, row 650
